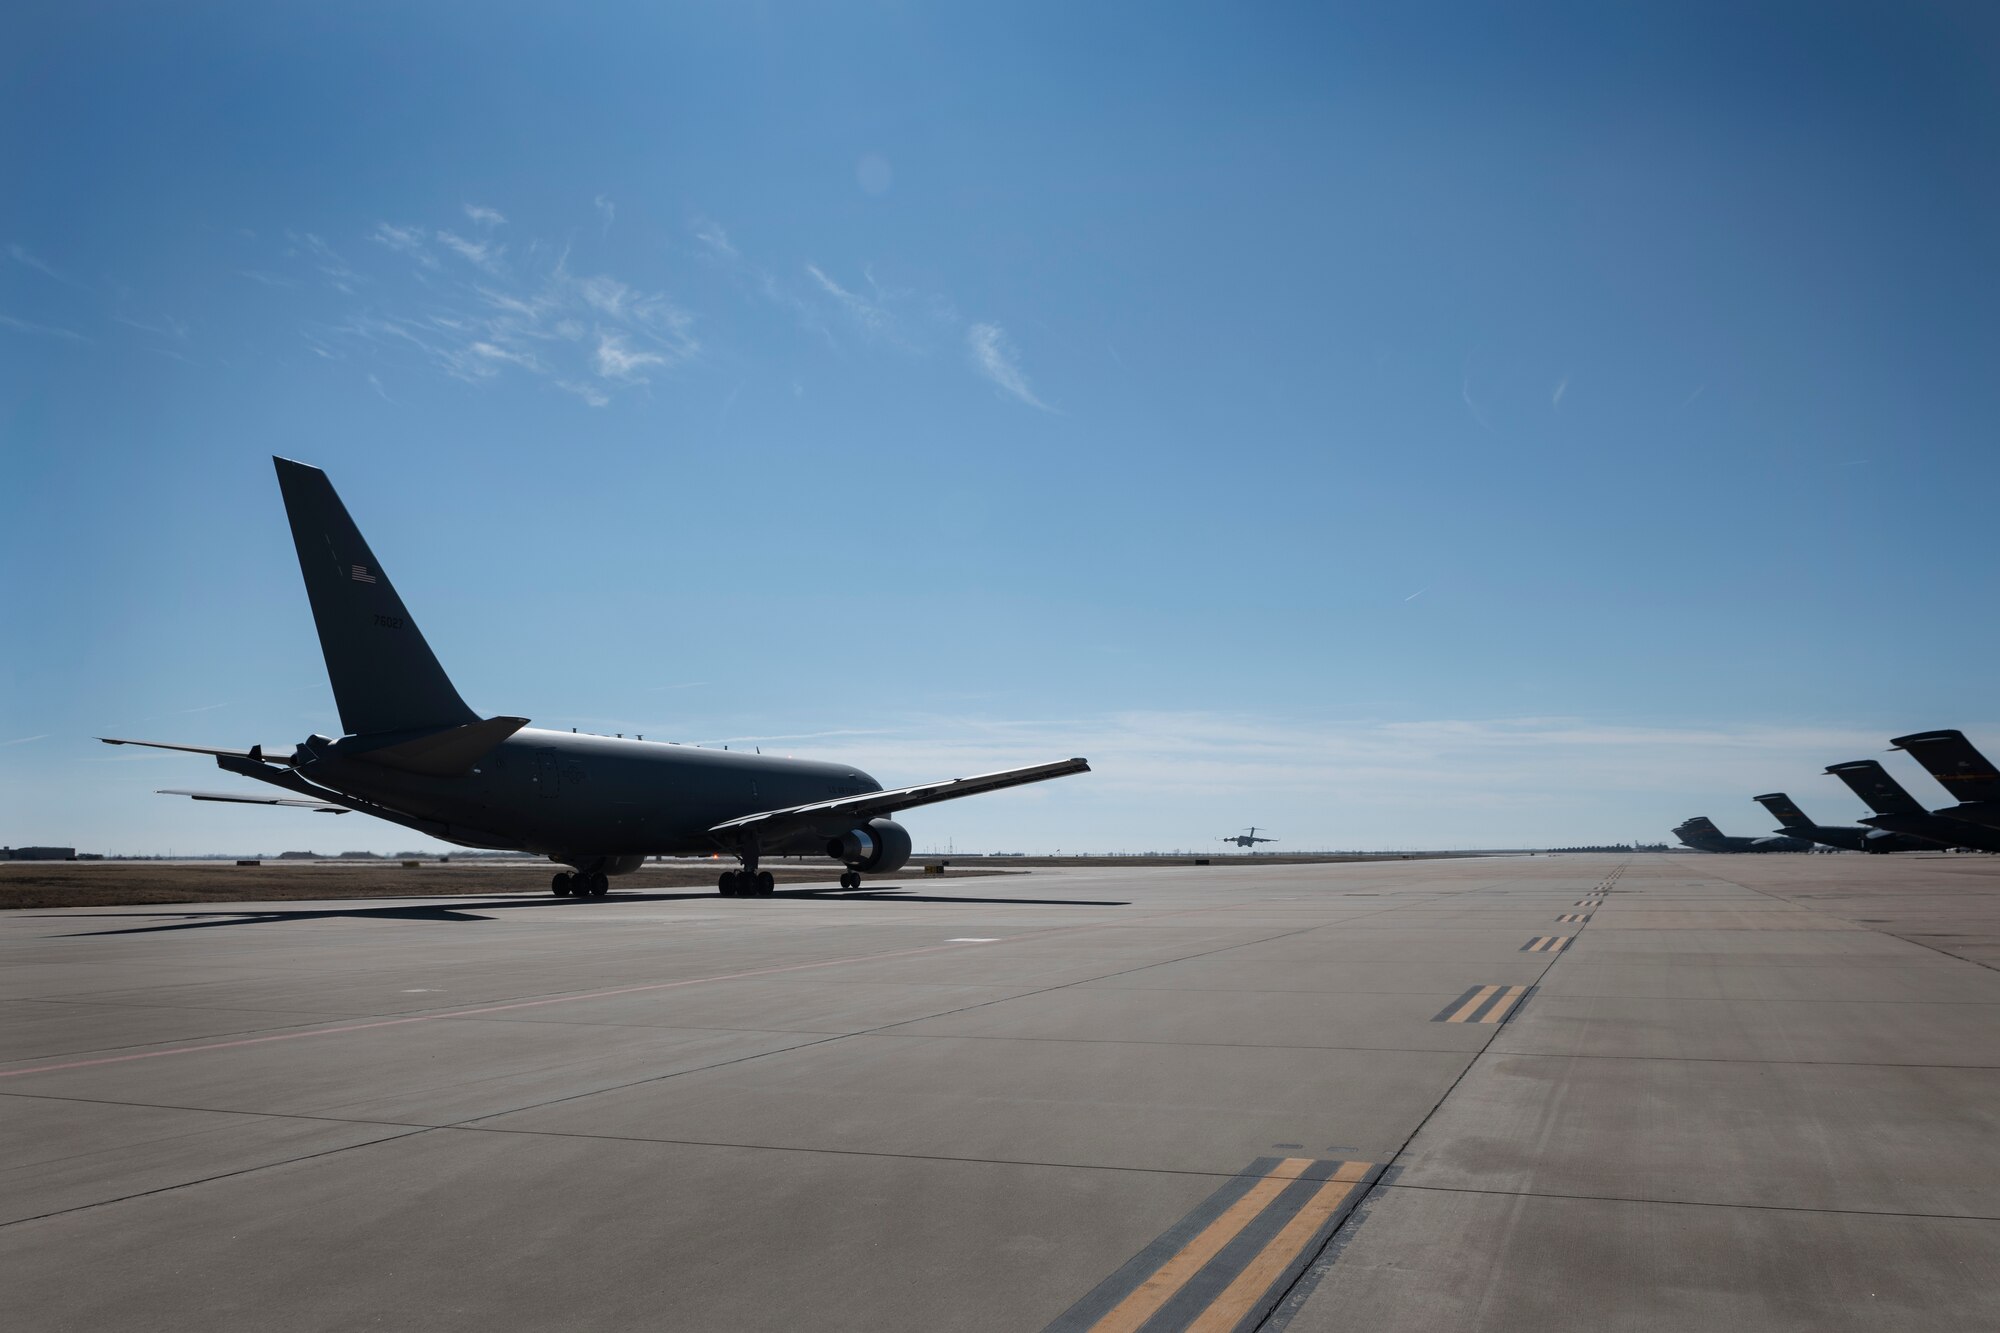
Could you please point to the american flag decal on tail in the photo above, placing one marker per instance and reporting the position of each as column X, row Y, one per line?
column 361, row 574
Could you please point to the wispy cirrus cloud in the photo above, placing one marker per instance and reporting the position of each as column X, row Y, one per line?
column 483, row 254
column 411, row 241
column 20, row 255
column 479, row 311
column 994, row 357
column 463, row 301
column 168, row 327
column 618, row 359
column 336, row 271
column 41, row 330
column 710, row 233
column 871, row 316
column 912, row 322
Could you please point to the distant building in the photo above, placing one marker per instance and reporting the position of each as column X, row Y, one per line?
column 38, row 853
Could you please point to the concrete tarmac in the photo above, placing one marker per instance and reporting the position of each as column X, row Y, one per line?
column 1674, row 1092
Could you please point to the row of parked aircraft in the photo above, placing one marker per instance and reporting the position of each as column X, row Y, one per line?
column 1900, row 822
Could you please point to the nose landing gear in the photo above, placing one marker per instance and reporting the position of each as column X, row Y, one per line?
column 850, row 879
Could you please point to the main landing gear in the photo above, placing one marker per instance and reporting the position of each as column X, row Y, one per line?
column 747, row 883
column 850, row 879
column 594, row 884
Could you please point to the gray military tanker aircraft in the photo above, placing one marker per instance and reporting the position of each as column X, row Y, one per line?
column 1701, row 834
column 416, row 755
column 1248, row 838
column 1895, row 809
column 1849, row 837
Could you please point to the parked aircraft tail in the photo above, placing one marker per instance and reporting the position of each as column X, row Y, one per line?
column 384, row 676
column 1882, row 793
column 1784, row 810
column 1955, row 762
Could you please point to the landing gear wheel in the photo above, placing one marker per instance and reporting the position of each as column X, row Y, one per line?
column 600, row 884
column 560, row 886
column 850, row 879
column 727, row 884
column 766, row 884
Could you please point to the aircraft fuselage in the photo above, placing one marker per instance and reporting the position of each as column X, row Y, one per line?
column 559, row 792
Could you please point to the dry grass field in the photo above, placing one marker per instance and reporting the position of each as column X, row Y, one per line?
column 26, row 884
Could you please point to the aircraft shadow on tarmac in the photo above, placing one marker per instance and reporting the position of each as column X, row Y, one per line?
column 461, row 910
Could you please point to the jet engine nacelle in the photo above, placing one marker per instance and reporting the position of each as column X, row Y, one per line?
column 880, row 845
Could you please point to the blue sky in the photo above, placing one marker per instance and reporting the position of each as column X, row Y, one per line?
column 1401, row 425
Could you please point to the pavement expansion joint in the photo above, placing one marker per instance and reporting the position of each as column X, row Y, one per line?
column 1228, row 1263
column 178, row 1185
column 1389, row 1183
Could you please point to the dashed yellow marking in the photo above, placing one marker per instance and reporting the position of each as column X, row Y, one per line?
column 1574, row 916
column 1480, row 995
column 1483, row 1004
column 1546, row 944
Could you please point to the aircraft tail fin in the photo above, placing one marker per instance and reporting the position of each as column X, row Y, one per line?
column 384, row 675
column 1955, row 762
column 1884, row 795
column 1700, row 824
column 1784, row 809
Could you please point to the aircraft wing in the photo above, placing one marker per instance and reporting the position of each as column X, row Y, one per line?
column 868, row 805
column 322, row 806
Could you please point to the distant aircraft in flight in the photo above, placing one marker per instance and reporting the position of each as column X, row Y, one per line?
column 1895, row 809
column 1701, row 834
column 1247, row 838
column 1849, row 837
column 417, row 756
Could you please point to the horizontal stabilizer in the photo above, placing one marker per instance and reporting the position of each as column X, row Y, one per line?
column 869, row 805
column 321, row 806
column 448, row 753
column 255, row 752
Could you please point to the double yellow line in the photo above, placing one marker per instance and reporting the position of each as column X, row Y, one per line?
column 1312, row 1192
